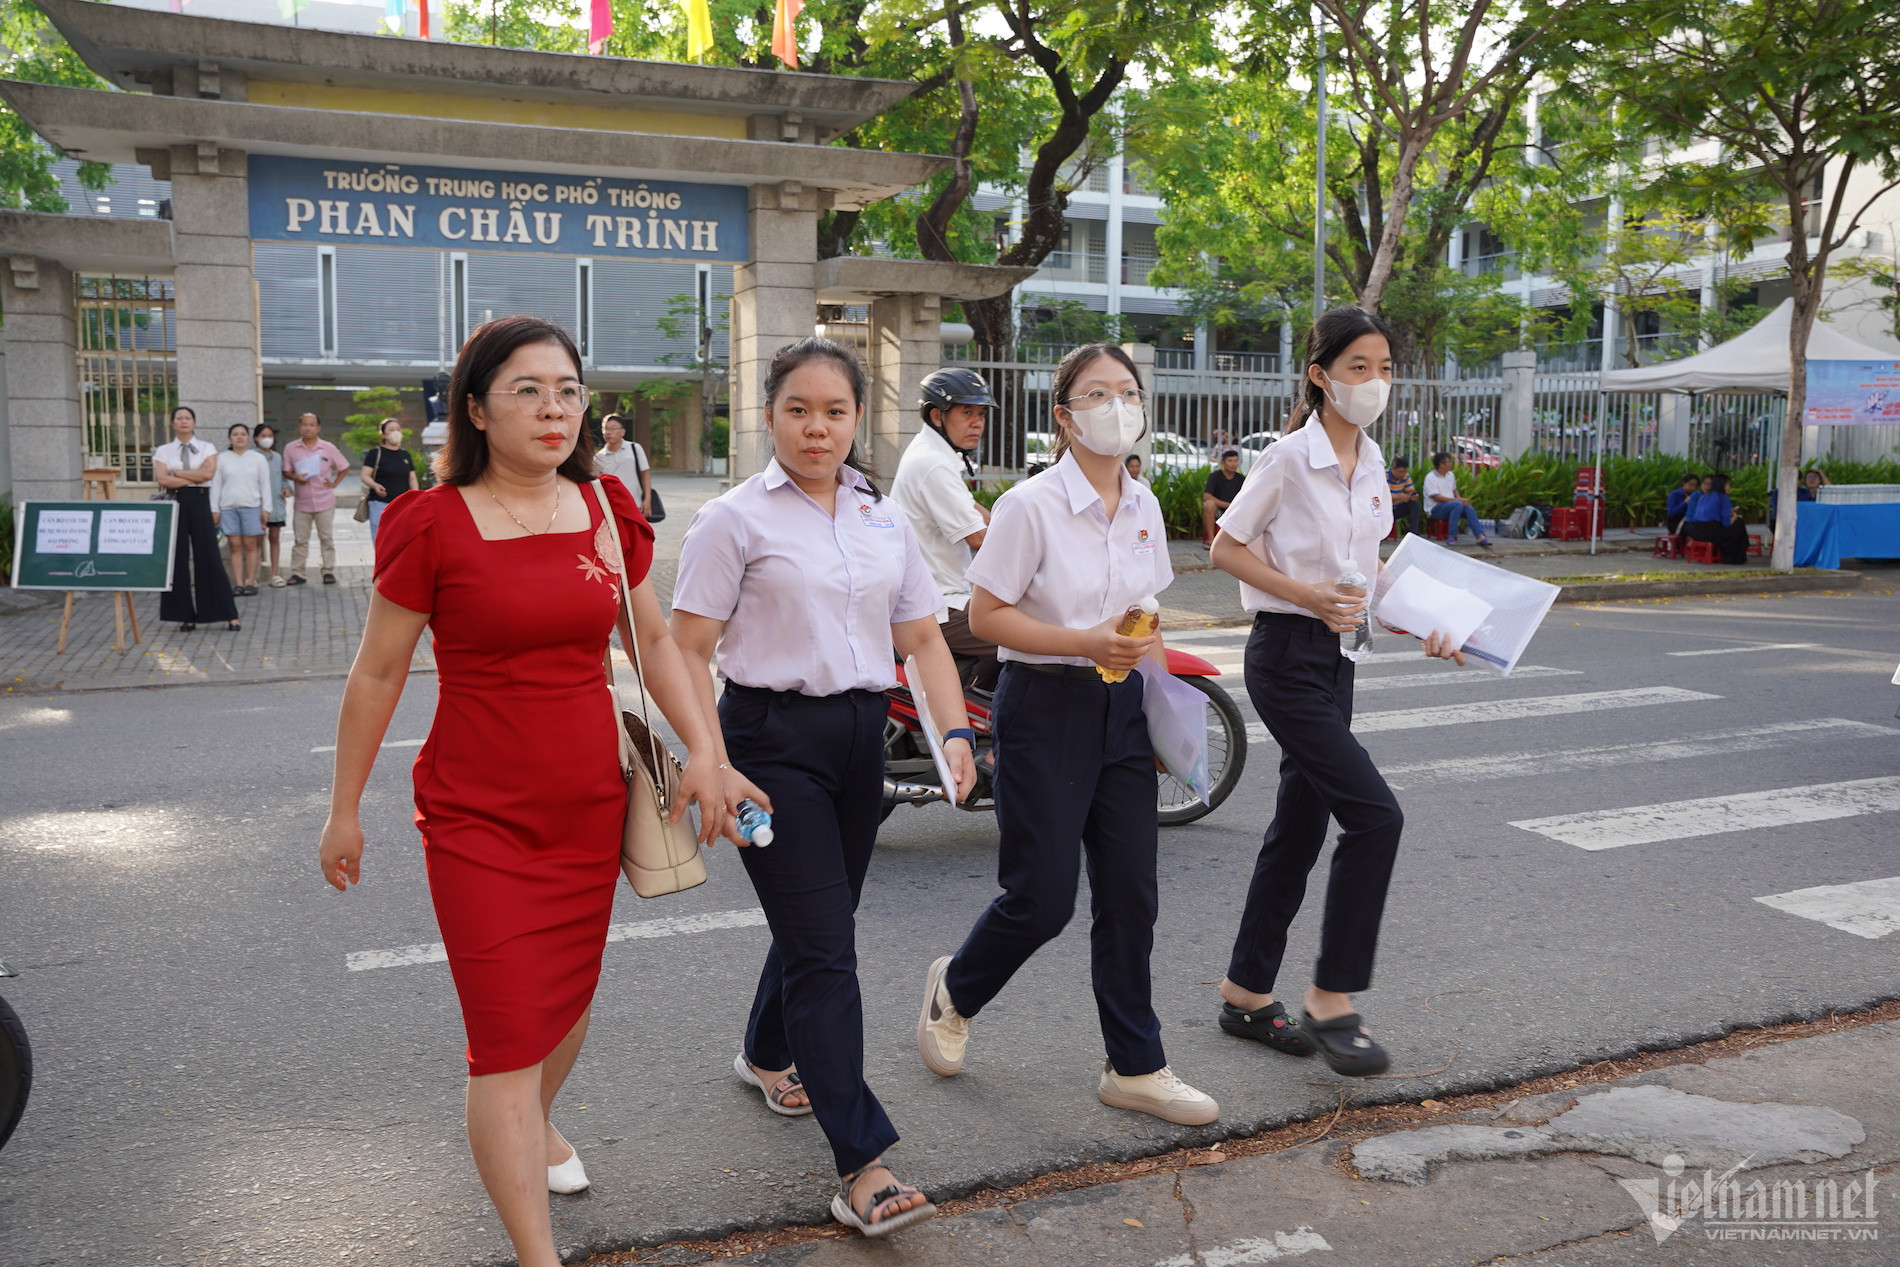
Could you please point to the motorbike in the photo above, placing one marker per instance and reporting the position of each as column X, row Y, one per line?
column 16, row 1066
column 910, row 774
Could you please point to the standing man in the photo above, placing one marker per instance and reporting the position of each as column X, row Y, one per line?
column 1223, row 485
column 943, row 513
column 1405, row 503
column 316, row 467
column 626, row 460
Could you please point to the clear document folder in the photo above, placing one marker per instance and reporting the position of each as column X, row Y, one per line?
column 1177, row 726
column 1425, row 588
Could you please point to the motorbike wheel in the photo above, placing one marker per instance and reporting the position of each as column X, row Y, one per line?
column 1226, row 758
column 16, row 1070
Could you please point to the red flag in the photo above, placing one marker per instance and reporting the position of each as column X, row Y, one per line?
column 785, row 33
column 422, row 15
column 601, row 25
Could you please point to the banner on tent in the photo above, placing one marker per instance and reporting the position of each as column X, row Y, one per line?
column 1853, row 394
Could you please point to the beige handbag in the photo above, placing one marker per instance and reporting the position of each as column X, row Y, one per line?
column 658, row 856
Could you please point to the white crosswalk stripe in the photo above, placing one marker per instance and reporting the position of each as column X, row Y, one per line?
column 1764, row 646
column 1509, row 709
column 1713, row 815
column 1477, row 769
column 435, row 952
column 1869, row 908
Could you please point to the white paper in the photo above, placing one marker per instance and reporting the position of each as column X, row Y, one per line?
column 311, row 467
column 63, row 532
column 1422, row 605
column 931, row 737
column 1177, row 726
column 1517, row 603
column 127, row 531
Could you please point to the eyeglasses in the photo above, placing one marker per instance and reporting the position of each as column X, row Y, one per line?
column 1097, row 398
column 572, row 398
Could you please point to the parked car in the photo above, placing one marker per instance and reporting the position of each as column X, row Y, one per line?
column 1037, row 448
column 1476, row 451
column 1175, row 452
column 1252, row 445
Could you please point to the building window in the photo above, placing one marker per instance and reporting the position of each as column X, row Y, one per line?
column 584, row 315
column 458, row 301
column 326, row 298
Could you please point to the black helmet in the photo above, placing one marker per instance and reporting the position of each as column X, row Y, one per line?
column 953, row 387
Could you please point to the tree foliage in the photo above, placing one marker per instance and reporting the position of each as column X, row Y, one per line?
column 31, row 50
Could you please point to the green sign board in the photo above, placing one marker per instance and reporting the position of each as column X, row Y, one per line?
column 94, row 545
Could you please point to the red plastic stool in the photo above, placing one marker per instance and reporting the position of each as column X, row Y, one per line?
column 1702, row 552
column 1666, row 546
column 1754, row 544
column 1435, row 529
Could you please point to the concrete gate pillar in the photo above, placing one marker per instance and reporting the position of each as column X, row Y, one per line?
column 216, row 293
column 1672, row 424
column 1517, row 418
column 42, row 379
column 774, row 303
column 906, row 347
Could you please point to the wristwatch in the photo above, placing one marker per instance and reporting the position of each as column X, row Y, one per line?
column 962, row 732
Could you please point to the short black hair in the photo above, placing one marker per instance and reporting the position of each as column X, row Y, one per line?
column 1401, row 462
column 1229, row 453
column 1440, row 456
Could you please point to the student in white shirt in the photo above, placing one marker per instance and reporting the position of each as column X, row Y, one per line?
column 1312, row 503
column 1066, row 555
column 184, row 468
column 945, row 515
column 625, row 461
column 1442, row 502
column 240, row 496
column 803, row 580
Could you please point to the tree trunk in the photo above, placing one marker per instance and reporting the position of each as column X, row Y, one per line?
column 835, row 230
column 1807, row 303
column 1386, row 256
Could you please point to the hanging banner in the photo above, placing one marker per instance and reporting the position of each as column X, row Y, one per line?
column 1853, row 394
column 456, row 209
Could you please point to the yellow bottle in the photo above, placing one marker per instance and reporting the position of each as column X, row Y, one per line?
column 1140, row 621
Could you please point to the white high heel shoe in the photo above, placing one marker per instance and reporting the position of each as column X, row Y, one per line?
column 570, row 1176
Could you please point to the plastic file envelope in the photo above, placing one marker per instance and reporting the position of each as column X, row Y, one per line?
column 1177, row 726
column 1501, row 608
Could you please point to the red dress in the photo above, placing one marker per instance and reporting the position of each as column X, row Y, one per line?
column 518, row 790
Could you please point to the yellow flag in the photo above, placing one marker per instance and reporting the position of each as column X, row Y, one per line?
column 699, row 39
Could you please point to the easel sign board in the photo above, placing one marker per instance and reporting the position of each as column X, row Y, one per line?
column 94, row 545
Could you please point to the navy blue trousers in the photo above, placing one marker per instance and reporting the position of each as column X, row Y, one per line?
column 1302, row 688
column 821, row 760
column 1075, row 779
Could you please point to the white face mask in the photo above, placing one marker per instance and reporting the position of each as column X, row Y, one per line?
column 265, row 442
column 1109, row 429
column 1360, row 403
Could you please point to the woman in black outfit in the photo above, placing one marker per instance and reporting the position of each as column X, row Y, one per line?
column 388, row 472
column 200, row 589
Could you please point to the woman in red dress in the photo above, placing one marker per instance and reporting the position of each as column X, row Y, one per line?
column 519, row 794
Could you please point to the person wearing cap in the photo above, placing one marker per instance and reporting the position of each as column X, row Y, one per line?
column 1067, row 554
column 947, row 519
column 1223, row 485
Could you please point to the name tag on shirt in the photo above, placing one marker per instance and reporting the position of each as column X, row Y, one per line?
column 873, row 519
column 1378, row 504
column 1145, row 550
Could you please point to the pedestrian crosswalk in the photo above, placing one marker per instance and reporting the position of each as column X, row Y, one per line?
column 1477, row 753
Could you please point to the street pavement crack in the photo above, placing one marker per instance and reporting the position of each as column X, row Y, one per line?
column 1187, row 1215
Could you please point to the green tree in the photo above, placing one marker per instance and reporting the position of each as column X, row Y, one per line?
column 31, row 50
column 373, row 404
column 1799, row 96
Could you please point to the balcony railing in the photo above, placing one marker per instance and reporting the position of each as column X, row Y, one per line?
column 1136, row 268
column 1075, row 266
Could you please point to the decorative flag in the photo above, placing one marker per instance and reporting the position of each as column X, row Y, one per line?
column 289, row 9
column 699, row 39
column 422, row 18
column 600, row 26
column 178, row 6
column 785, row 33
column 392, row 15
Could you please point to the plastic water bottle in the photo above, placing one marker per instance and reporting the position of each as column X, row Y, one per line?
column 755, row 825
column 1356, row 644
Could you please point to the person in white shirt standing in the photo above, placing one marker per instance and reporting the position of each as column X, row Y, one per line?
column 1067, row 554
column 184, row 468
column 945, row 515
column 240, row 495
column 626, row 461
column 1314, row 503
column 1442, row 502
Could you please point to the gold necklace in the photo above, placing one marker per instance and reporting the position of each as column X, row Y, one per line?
column 524, row 527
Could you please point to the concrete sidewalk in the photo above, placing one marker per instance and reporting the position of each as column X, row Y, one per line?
column 1797, row 1140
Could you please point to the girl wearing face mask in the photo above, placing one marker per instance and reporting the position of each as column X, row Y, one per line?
column 1067, row 554
column 1312, row 504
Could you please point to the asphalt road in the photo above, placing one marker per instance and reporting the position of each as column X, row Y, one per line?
column 216, row 1084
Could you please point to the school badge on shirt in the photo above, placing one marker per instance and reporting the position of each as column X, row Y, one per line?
column 1377, row 502
column 1145, row 548
column 872, row 519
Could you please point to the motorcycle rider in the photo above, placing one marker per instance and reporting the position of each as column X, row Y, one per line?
column 948, row 521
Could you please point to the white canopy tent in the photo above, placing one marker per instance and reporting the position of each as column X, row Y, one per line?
column 1755, row 360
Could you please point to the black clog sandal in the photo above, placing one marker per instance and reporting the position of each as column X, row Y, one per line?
column 1347, row 1047
column 1270, row 1025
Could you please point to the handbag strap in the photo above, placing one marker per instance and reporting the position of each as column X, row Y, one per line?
column 633, row 638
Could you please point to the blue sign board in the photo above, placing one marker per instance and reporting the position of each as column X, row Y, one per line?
column 1853, row 393
column 455, row 209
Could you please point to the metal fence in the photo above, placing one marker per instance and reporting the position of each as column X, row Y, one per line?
column 128, row 370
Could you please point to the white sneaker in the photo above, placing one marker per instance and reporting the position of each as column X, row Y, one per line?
column 941, row 1032
column 1159, row 1093
column 570, row 1176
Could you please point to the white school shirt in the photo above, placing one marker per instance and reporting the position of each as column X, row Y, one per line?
column 808, row 599
column 626, row 463
column 1440, row 485
column 242, row 481
column 1296, row 514
column 942, row 512
column 1052, row 552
